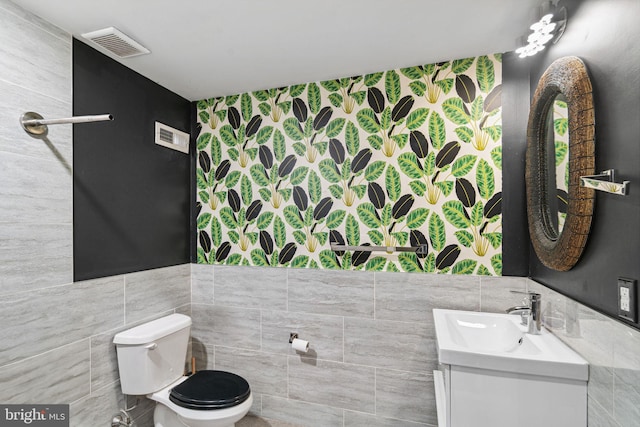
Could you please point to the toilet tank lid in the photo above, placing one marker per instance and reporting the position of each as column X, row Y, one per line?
column 151, row 331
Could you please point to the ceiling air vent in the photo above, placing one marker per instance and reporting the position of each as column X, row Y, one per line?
column 117, row 42
column 172, row 138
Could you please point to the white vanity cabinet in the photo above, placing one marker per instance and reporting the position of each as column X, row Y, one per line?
column 492, row 373
column 471, row 397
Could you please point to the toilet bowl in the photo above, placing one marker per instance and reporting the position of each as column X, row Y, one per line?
column 151, row 360
column 167, row 413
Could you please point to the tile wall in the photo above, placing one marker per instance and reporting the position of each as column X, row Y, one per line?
column 56, row 342
column 36, row 211
column 372, row 338
column 55, row 335
column 612, row 350
column 373, row 344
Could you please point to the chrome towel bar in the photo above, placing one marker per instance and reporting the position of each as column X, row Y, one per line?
column 420, row 250
column 605, row 181
column 34, row 124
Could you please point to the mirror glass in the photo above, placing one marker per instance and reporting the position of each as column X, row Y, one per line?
column 557, row 150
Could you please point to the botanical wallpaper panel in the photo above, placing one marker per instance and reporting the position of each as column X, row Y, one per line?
column 406, row 157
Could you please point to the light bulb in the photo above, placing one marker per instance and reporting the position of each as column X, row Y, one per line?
column 542, row 34
column 548, row 29
column 545, row 39
column 538, row 26
column 534, row 37
column 546, row 18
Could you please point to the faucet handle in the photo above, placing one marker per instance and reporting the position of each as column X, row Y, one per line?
column 529, row 296
column 515, row 291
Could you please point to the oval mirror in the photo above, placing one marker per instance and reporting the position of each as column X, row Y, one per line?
column 560, row 149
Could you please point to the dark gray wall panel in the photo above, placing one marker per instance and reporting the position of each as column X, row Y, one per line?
column 195, row 210
column 604, row 35
column 515, row 113
column 131, row 196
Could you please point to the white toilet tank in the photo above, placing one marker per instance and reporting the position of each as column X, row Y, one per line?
column 152, row 356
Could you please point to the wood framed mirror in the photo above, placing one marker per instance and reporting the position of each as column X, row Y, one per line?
column 560, row 149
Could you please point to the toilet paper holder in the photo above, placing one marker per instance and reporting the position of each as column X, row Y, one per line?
column 297, row 344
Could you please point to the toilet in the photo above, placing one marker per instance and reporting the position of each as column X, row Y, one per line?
column 151, row 359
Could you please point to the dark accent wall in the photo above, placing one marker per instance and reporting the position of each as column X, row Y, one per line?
column 131, row 197
column 604, row 34
column 196, row 128
column 515, row 113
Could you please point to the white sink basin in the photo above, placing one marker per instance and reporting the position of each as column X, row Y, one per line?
column 499, row 342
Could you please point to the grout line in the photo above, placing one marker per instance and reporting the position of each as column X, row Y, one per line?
column 374, row 297
column 43, row 353
column 287, row 282
column 375, row 392
column 213, row 284
column 343, row 338
column 288, row 378
column 393, row 418
column 613, row 383
column 34, row 290
column 90, row 365
column 68, row 103
column 329, row 361
column 213, row 354
column 124, row 300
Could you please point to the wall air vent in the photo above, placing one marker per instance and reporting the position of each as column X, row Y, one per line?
column 172, row 138
column 117, row 42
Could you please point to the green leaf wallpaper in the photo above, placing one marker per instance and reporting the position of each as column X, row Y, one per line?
column 404, row 157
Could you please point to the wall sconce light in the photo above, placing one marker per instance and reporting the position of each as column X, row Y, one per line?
column 549, row 28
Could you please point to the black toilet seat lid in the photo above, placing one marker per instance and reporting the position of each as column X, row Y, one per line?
column 211, row 390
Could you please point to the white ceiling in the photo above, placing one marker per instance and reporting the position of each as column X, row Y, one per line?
column 206, row 48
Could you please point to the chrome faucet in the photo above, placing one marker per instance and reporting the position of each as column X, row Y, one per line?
column 523, row 310
column 530, row 314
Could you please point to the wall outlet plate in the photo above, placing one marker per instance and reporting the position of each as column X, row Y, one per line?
column 627, row 307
